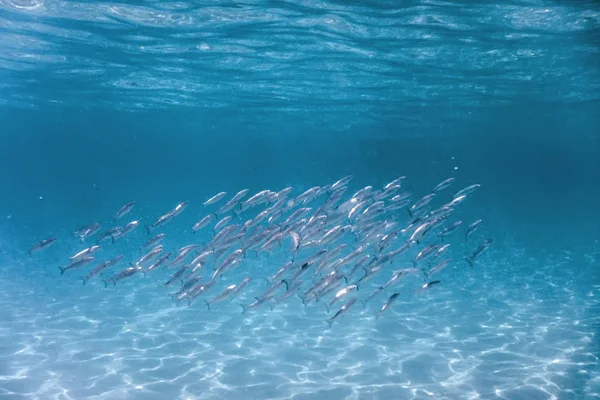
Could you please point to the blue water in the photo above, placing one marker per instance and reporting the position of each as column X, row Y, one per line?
column 102, row 103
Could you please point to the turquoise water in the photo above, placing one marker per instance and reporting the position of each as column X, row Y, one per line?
column 164, row 102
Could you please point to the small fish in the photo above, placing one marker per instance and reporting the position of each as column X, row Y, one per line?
column 123, row 211
column 130, row 227
column 111, row 234
column 427, row 286
column 151, row 255
column 466, row 191
column 76, row 263
column 222, row 296
column 163, row 219
column 101, row 267
column 387, row 304
column 443, row 185
column 472, row 228
column 341, row 294
column 154, row 240
column 457, row 200
column 87, row 231
column 438, row 267
column 421, row 203
column 163, row 259
column 179, row 208
column 342, row 182
column 256, row 303
column 241, row 286
column 203, row 222
column 126, row 273
column 44, row 244
column 449, row 229
column 178, row 274
column 214, row 199
column 281, row 271
column 341, row 311
column 86, row 252
column 480, row 249
column 224, row 221
column 295, row 241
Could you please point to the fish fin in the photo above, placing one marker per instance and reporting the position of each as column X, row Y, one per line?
column 287, row 284
column 105, row 283
column 207, row 304
column 409, row 213
column 267, row 279
column 216, row 216
column 148, row 229
column 132, row 264
column 414, row 263
column 62, row 270
column 346, row 279
column 271, row 306
column 357, row 286
column 329, row 323
column 243, row 309
column 327, row 307
column 83, row 279
column 303, row 299
column 469, row 260
column 112, row 239
column 364, row 303
column 30, row 253
column 257, row 298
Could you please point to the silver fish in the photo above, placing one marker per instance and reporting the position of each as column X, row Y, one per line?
column 224, row 221
column 443, row 185
column 472, row 228
column 151, row 255
column 43, row 244
column 112, row 234
column 341, row 294
column 259, row 301
column 101, row 267
column 87, row 231
column 203, row 222
column 449, row 229
column 482, row 247
column 123, row 211
column 154, row 240
column 342, row 182
column 341, row 311
column 438, row 267
column 466, row 191
column 130, row 227
column 421, row 203
column 86, row 252
column 387, row 304
column 222, row 296
column 214, row 199
column 126, row 273
column 163, row 259
column 76, row 263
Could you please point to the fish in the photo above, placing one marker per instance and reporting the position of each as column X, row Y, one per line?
column 163, row 219
column 154, row 240
column 472, row 228
column 130, row 227
column 86, row 252
column 41, row 245
column 178, row 274
column 126, row 273
column 427, row 286
column 179, row 208
column 259, row 301
column 224, row 221
column 87, row 231
column 341, row 294
column 388, row 304
column 214, row 199
column 151, row 255
column 163, row 259
column 112, row 233
column 76, row 263
column 203, row 222
column 123, row 211
column 466, row 191
column 341, row 311
column 295, row 241
column 222, row 296
column 421, row 204
column 443, row 185
column 450, row 229
column 101, row 267
column 438, row 267
column 342, row 182
column 281, row 271
column 478, row 251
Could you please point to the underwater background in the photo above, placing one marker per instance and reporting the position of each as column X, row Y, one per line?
column 161, row 102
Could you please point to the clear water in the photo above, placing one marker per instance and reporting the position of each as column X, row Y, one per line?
column 160, row 102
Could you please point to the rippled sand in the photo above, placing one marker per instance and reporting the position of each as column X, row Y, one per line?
column 499, row 331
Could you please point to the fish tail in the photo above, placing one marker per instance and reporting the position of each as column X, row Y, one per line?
column 148, row 229
column 243, row 309
column 327, row 307
column 409, row 213
column 207, row 304
column 287, row 284
column 303, row 299
column 30, row 253
column 329, row 323
column 469, row 260
column 346, row 279
column 84, row 279
column 112, row 239
column 62, row 270
column 414, row 263
column 215, row 214
column 267, row 280
column 105, row 283
column 271, row 306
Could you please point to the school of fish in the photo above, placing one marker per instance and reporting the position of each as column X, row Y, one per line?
column 333, row 243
